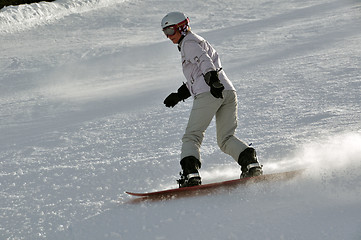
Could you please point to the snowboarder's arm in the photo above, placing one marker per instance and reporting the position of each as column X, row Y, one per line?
column 213, row 82
column 196, row 53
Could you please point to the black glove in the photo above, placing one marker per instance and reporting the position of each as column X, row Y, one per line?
column 173, row 98
column 212, row 80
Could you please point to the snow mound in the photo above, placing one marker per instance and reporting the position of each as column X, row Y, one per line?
column 22, row 17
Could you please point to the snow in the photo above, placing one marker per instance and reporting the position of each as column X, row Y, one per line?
column 81, row 120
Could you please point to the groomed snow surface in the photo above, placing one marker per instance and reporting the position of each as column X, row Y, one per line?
column 81, row 120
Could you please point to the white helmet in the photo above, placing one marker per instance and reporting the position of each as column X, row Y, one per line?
column 174, row 18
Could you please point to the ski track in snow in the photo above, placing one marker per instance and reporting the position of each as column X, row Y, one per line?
column 82, row 120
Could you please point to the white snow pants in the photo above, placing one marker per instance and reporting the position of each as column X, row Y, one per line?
column 205, row 106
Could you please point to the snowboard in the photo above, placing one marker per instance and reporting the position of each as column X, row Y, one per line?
column 211, row 187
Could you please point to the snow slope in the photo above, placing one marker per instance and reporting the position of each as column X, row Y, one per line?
column 81, row 120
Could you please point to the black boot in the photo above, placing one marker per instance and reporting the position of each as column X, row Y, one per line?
column 190, row 176
column 249, row 164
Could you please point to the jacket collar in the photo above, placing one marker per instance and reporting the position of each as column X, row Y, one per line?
column 180, row 42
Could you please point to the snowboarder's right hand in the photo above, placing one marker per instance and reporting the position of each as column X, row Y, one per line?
column 172, row 100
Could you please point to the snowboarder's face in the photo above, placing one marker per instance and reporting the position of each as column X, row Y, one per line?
column 173, row 34
column 175, row 37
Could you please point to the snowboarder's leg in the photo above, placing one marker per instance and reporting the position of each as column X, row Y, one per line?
column 226, row 122
column 204, row 108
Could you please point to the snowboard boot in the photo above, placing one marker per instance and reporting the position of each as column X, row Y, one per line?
column 250, row 167
column 190, row 176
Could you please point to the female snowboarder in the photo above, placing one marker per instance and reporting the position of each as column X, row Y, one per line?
column 213, row 94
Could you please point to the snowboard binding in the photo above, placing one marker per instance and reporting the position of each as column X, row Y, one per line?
column 253, row 170
column 190, row 180
column 248, row 161
column 190, row 176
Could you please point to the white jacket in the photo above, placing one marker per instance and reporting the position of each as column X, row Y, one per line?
column 198, row 58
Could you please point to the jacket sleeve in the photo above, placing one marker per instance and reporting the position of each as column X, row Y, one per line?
column 183, row 92
column 197, row 53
